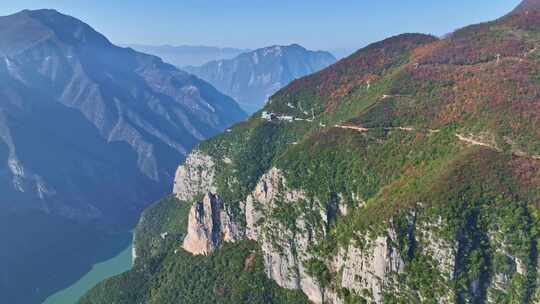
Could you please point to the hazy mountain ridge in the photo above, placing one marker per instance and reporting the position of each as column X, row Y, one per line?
column 251, row 78
column 88, row 131
column 188, row 55
column 128, row 97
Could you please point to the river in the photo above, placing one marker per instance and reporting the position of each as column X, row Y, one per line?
column 99, row 272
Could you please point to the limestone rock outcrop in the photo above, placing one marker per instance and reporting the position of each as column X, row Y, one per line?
column 210, row 224
column 289, row 224
column 194, row 177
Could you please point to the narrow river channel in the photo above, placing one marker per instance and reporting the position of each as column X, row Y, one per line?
column 99, row 272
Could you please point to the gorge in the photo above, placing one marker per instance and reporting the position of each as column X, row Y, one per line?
column 407, row 173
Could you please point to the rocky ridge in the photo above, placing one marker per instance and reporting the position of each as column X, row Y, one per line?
column 117, row 100
column 252, row 77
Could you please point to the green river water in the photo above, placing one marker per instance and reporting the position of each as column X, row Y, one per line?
column 100, row 271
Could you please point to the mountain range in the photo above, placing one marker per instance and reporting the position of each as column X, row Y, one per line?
column 188, row 55
column 252, row 77
column 408, row 172
column 90, row 134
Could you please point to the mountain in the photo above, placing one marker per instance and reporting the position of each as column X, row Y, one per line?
column 414, row 177
column 527, row 6
column 341, row 53
column 90, row 134
column 252, row 77
column 188, row 55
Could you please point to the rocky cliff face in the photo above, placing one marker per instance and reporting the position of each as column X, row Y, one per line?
column 372, row 267
column 416, row 255
column 251, row 78
column 195, row 177
column 286, row 247
column 210, row 225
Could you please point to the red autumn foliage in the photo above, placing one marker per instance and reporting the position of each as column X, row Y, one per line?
column 365, row 65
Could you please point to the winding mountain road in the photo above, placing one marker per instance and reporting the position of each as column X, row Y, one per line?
column 460, row 137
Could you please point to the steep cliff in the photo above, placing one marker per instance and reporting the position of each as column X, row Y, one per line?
column 458, row 245
column 165, row 273
column 408, row 172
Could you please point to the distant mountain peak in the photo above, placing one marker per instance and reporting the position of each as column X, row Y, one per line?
column 276, row 50
column 281, row 47
column 189, row 55
column 527, row 6
column 41, row 12
column 288, row 46
column 252, row 77
column 45, row 16
column 24, row 29
column 54, row 60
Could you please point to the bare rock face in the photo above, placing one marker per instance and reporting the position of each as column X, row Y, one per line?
column 203, row 234
column 370, row 268
column 210, row 224
column 195, row 177
column 253, row 217
column 263, row 198
column 281, row 265
column 285, row 248
column 287, row 239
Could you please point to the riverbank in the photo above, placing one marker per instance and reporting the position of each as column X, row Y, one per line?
column 99, row 272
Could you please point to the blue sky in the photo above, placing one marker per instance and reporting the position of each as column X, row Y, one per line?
column 316, row 24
